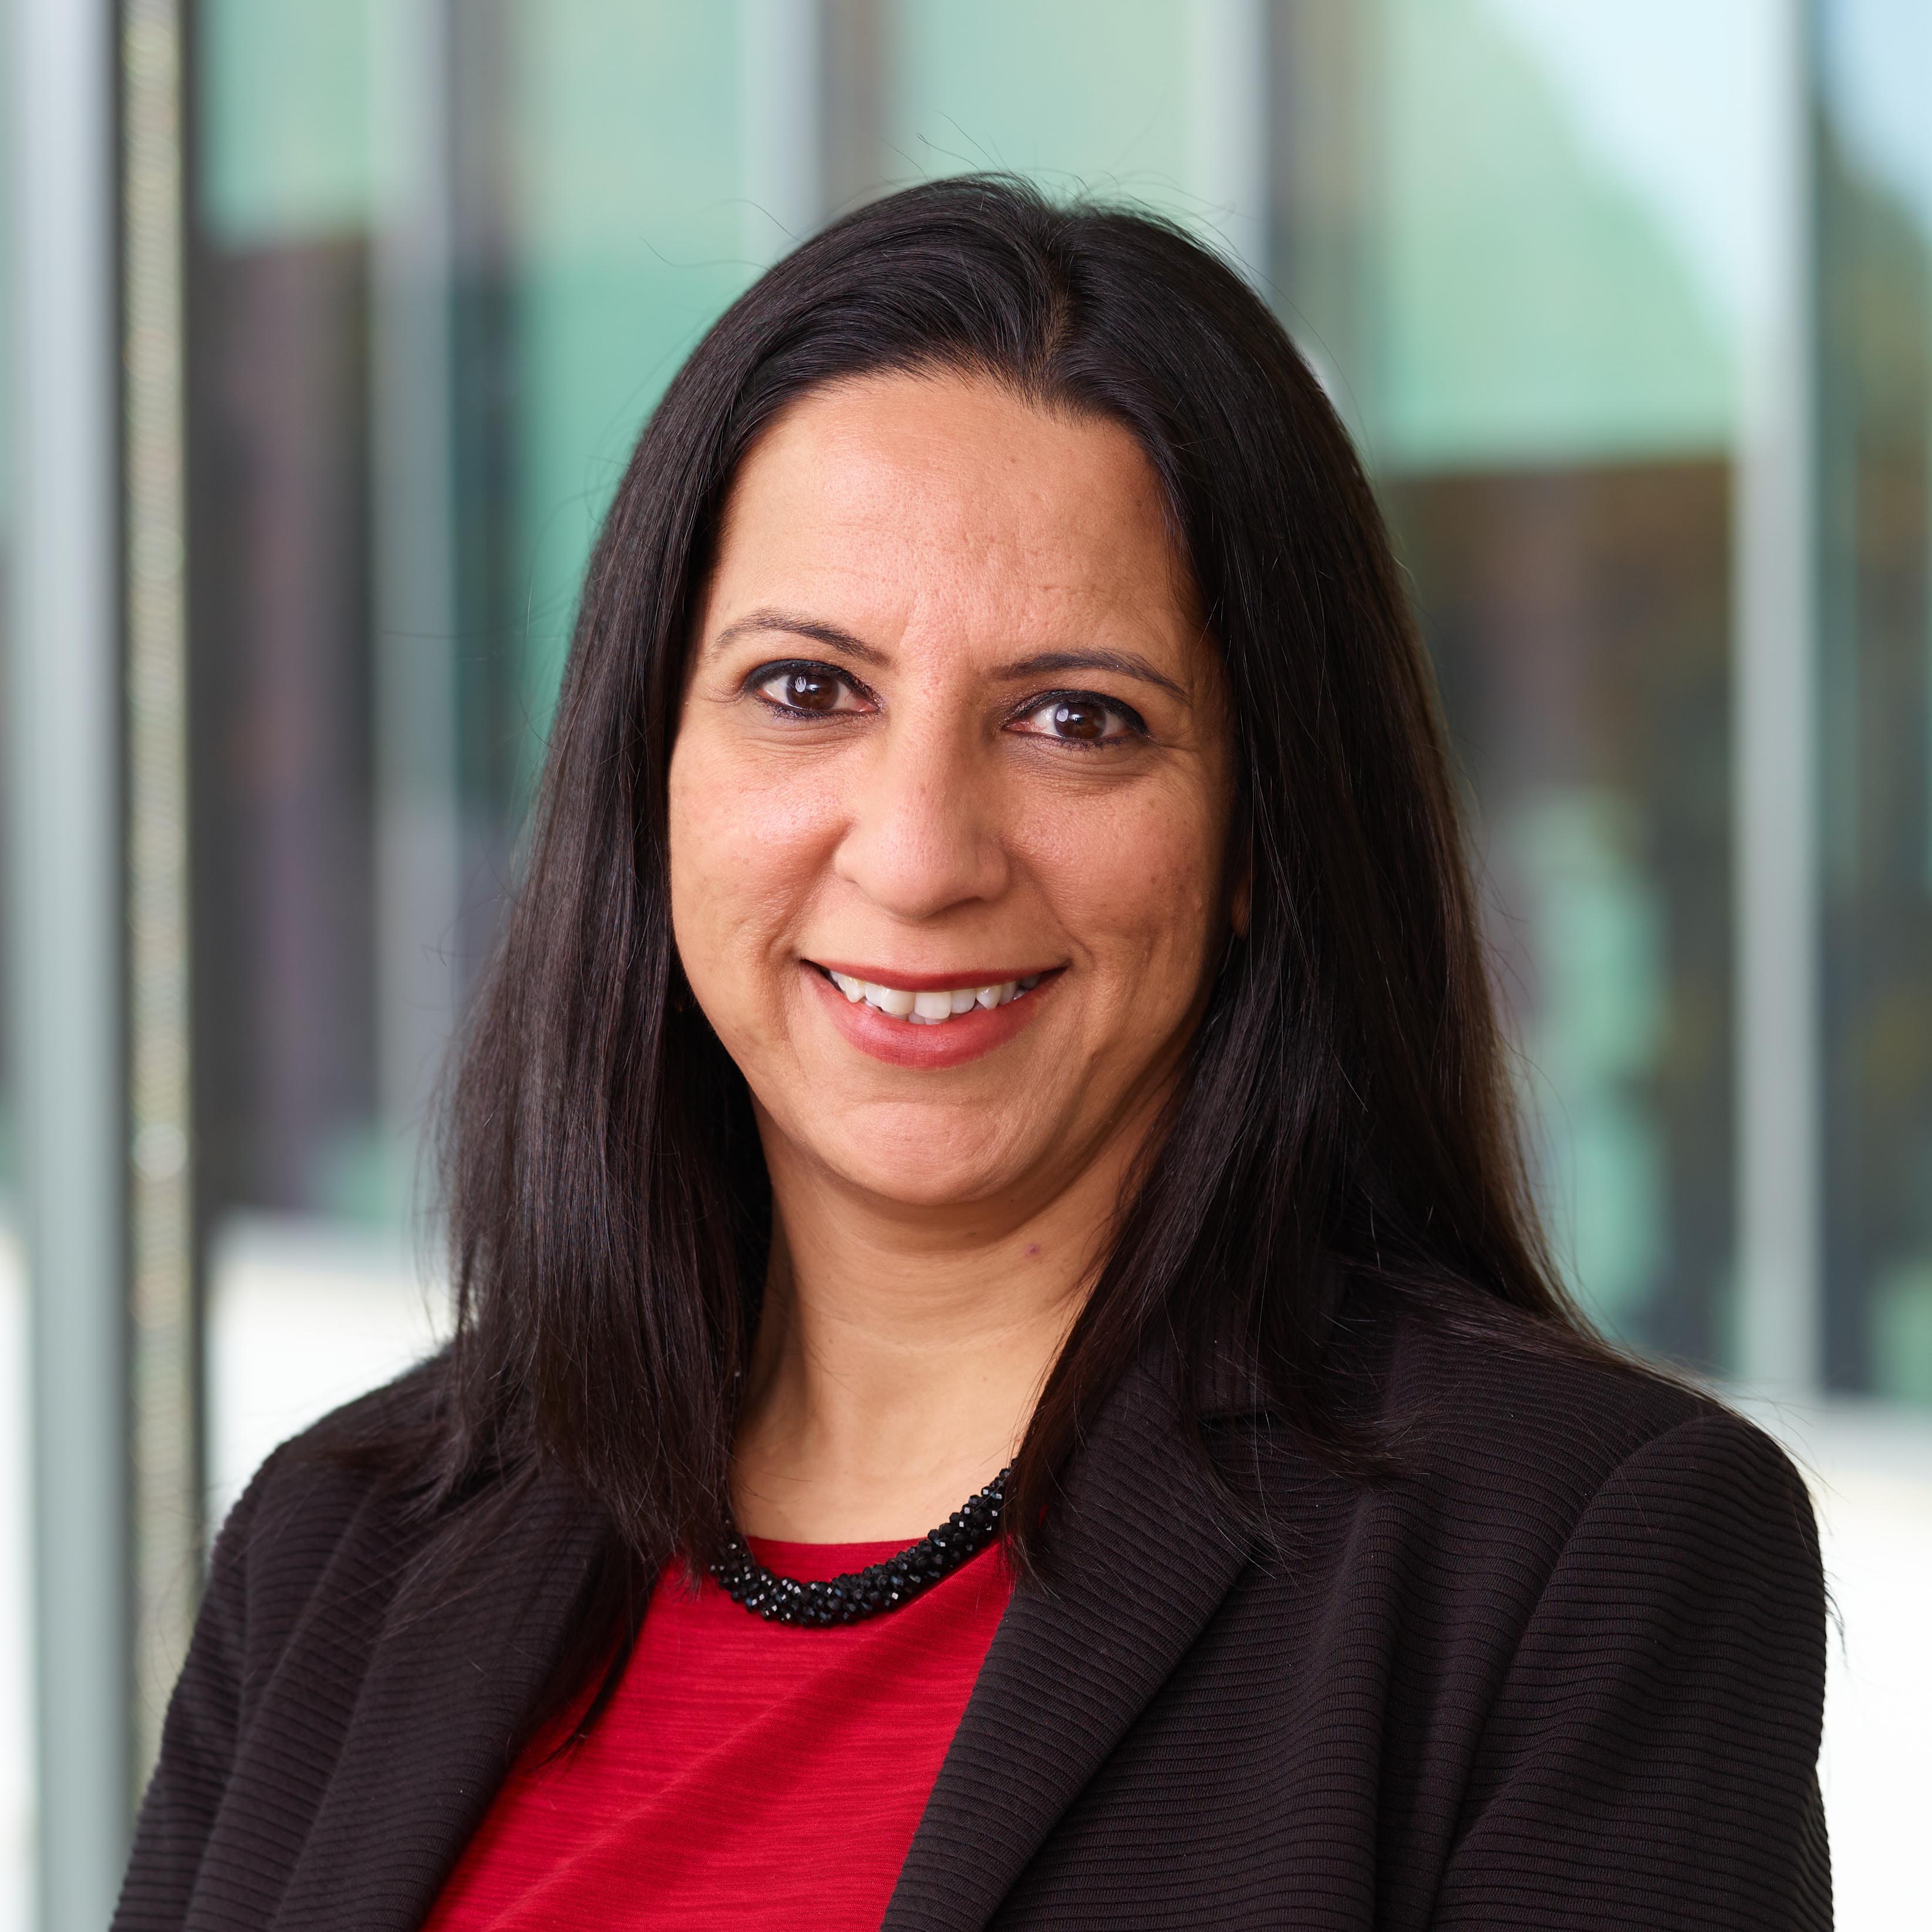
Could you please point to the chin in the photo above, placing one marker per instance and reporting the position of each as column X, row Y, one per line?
column 923, row 1156
column 935, row 1195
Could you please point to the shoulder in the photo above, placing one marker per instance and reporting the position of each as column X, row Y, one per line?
column 340, row 1504
column 1509, row 1448
column 1536, row 1409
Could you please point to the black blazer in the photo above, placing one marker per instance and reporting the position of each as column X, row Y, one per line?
column 1564, row 1669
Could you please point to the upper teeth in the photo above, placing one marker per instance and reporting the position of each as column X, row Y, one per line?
column 930, row 1009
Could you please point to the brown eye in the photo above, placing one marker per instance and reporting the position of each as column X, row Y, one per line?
column 1086, row 722
column 809, row 691
column 814, row 689
column 1080, row 718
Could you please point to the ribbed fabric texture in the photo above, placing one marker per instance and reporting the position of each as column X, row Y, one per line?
column 1564, row 1669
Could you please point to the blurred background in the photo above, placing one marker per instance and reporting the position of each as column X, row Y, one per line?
column 328, row 325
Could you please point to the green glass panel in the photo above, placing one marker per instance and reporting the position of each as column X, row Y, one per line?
column 1534, row 306
column 1084, row 96
column 627, row 237
column 283, row 117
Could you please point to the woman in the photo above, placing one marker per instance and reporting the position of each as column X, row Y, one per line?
column 994, row 1034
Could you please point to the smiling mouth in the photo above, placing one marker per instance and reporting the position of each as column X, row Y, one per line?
column 934, row 1006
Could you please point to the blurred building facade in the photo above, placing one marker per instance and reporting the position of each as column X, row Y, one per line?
column 1629, row 307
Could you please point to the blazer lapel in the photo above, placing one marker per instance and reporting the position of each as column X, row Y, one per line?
column 439, row 1715
column 1144, row 1553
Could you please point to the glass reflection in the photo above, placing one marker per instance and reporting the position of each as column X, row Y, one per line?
column 1511, row 243
column 1516, row 236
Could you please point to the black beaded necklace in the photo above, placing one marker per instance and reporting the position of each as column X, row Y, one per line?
column 864, row 1593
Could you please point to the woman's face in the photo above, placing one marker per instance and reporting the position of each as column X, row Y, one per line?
column 949, row 796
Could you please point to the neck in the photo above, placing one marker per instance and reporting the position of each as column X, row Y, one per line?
column 900, row 1351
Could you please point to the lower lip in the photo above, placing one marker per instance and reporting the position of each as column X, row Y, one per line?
column 950, row 1043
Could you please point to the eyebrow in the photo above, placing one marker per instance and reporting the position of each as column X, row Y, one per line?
column 1124, row 663
column 1043, row 664
column 789, row 624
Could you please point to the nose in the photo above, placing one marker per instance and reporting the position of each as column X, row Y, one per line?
column 923, row 833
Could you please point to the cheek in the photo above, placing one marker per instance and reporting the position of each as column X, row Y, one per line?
column 1137, row 884
column 747, row 849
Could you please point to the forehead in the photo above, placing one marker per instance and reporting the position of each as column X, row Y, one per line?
column 945, row 493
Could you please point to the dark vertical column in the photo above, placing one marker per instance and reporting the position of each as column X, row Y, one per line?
column 492, row 763
column 165, row 1380
column 856, row 63
column 417, row 855
column 1775, row 799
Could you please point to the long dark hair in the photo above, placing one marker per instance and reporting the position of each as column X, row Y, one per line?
column 1346, row 1110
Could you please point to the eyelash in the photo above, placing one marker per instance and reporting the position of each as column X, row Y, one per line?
column 1136, row 725
column 769, row 673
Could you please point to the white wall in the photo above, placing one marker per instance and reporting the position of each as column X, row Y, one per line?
column 301, row 1317
column 1870, row 1473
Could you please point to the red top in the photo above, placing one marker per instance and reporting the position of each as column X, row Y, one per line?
column 746, row 1774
